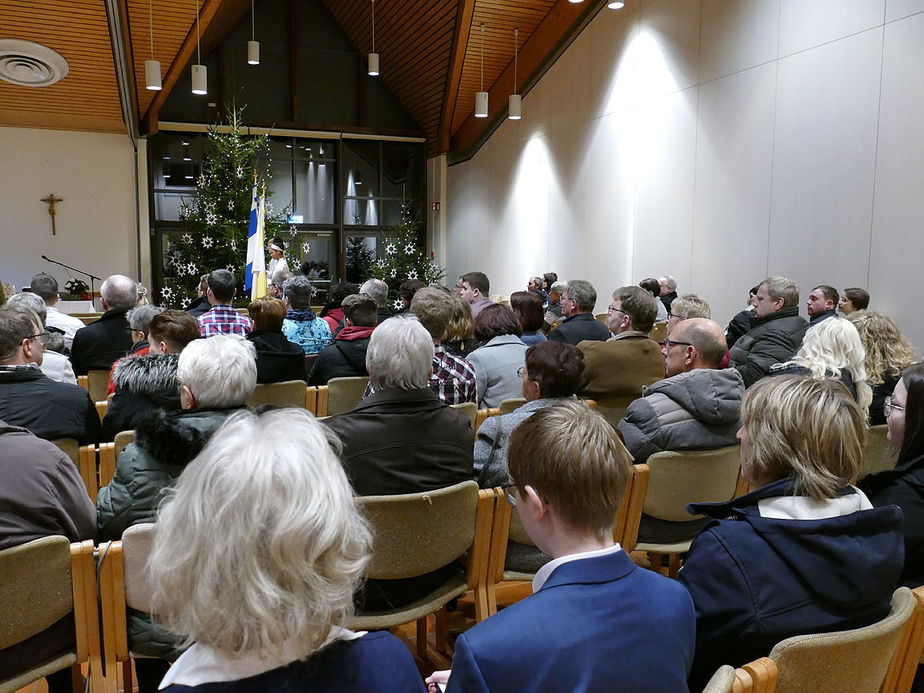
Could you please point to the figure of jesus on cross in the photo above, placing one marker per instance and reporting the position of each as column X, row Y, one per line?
column 50, row 201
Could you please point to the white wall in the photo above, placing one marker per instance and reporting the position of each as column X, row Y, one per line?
column 94, row 174
column 719, row 141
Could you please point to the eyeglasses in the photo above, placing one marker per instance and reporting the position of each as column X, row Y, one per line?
column 610, row 309
column 512, row 499
column 667, row 344
column 888, row 407
column 39, row 335
column 673, row 315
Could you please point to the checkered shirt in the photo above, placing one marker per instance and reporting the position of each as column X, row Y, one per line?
column 223, row 320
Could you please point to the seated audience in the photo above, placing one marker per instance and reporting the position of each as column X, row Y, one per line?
column 741, row 323
column 139, row 323
column 888, row 353
column 536, row 285
column 821, row 303
column 28, row 397
column 776, row 330
column 278, row 359
column 668, row 290
column 406, row 293
column 832, row 349
column 402, row 439
column 277, row 282
column 595, row 621
column 46, row 287
column 100, row 344
column 904, row 485
column 577, row 309
column 548, row 279
column 803, row 553
column 453, row 378
column 148, row 383
column 332, row 312
column 377, row 290
column 201, row 303
column 42, row 495
column 222, row 318
column 266, row 602
column 460, row 334
column 216, row 377
column 346, row 357
column 475, row 289
column 615, row 371
column 301, row 326
column 687, row 306
column 853, row 299
column 553, row 311
column 651, row 285
column 54, row 364
column 527, row 306
column 499, row 358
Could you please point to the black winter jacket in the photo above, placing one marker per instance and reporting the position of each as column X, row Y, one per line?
column 278, row 359
column 102, row 343
column 49, row 409
column 142, row 384
column 773, row 338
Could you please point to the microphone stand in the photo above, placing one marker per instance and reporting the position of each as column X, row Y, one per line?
column 78, row 271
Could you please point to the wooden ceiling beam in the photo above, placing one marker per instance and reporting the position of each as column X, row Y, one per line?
column 206, row 14
column 550, row 39
column 464, row 14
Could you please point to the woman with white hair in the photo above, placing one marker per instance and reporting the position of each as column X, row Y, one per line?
column 832, row 349
column 216, row 376
column 257, row 552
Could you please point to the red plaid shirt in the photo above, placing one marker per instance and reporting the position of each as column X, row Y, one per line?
column 453, row 379
column 224, row 320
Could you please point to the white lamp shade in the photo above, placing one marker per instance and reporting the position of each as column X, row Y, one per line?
column 616, row 5
column 199, row 79
column 253, row 52
column 481, row 104
column 373, row 64
column 513, row 107
column 152, row 74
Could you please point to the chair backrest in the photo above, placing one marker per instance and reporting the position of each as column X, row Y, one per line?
column 101, row 408
column 678, row 478
column 879, row 453
column 470, row 409
column 289, row 393
column 71, row 447
column 137, row 541
column 512, row 404
column 629, row 515
column 122, row 439
column 83, row 382
column 480, row 417
column 345, row 393
column 417, row 533
column 97, row 384
column 851, row 660
column 658, row 332
column 602, row 317
column 613, row 408
column 904, row 665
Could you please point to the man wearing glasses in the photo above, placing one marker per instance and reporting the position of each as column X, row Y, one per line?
column 577, row 307
column 616, row 370
column 30, row 399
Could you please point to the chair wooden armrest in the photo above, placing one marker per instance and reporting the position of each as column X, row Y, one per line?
column 107, row 463
column 904, row 662
column 84, row 382
column 101, row 408
column 629, row 516
column 478, row 558
column 759, row 676
column 497, row 552
column 311, row 399
column 322, row 397
column 88, row 471
column 480, row 417
column 86, row 611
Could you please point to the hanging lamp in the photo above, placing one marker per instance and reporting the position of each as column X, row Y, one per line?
column 199, row 73
column 513, row 101
column 152, row 66
column 373, row 56
column 481, row 97
column 253, row 46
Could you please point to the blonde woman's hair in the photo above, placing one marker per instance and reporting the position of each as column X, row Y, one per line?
column 831, row 346
column 690, row 306
column 461, row 325
column 261, row 542
column 575, row 460
column 809, row 430
column 888, row 352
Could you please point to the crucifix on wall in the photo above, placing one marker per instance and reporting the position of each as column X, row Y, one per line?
column 50, row 201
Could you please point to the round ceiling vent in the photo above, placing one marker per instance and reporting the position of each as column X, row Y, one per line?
column 30, row 64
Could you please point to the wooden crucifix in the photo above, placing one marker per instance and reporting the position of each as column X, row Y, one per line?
column 50, row 201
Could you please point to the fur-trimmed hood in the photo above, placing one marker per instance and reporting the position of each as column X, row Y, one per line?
column 175, row 438
column 150, row 375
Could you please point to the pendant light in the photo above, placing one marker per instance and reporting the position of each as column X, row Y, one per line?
column 253, row 46
column 199, row 73
column 616, row 5
column 373, row 56
column 152, row 67
column 481, row 97
column 513, row 101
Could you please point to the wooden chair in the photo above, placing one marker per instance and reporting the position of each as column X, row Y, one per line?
column 613, row 408
column 123, row 583
column 601, row 317
column 904, row 663
column 101, row 408
column 851, row 660
column 759, row 676
column 512, row 404
column 344, row 393
column 417, row 533
column 507, row 526
column 289, row 393
column 41, row 582
column 678, row 478
column 658, row 332
column 109, row 455
column 83, row 382
column 879, row 453
column 470, row 410
column 481, row 416
column 84, row 458
column 98, row 384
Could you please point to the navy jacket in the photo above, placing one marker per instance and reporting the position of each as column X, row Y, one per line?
column 583, row 327
column 758, row 580
column 597, row 624
column 101, row 343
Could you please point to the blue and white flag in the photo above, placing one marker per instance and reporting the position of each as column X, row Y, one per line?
column 255, row 272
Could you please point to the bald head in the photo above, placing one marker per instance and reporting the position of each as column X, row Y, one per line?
column 703, row 346
column 119, row 292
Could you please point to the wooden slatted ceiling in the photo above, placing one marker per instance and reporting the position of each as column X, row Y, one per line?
column 88, row 97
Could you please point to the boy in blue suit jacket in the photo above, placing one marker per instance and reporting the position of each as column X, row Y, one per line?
column 595, row 620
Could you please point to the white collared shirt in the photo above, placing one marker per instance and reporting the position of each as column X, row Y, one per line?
column 545, row 571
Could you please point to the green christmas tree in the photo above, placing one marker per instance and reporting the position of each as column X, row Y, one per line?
column 359, row 260
column 217, row 219
column 404, row 258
